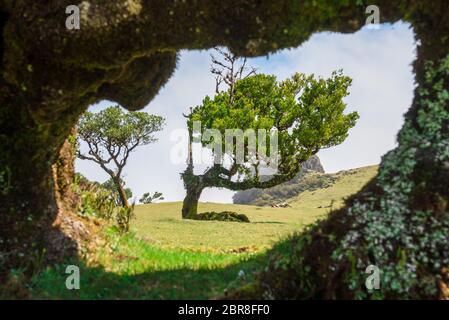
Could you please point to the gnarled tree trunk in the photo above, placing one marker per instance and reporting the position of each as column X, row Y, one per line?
column 190, row 203
column 194, row 187
column 121, row 191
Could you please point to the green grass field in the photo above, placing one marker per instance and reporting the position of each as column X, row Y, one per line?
column 161, row 224
column 165, row 257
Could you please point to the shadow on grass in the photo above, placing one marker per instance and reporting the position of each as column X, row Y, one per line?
column 269, row 222
column 138, row 270
column 182, row 283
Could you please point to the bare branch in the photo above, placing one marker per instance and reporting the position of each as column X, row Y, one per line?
column 228, row 71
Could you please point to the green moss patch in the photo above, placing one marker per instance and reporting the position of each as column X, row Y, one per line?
column 221, row 216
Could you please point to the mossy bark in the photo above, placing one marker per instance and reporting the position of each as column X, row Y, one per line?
column 399, row 221
column 190, row 203
column 28, row 150
column 194, row 186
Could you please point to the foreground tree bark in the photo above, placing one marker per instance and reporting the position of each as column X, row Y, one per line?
column 399, row 221
column 127, row 50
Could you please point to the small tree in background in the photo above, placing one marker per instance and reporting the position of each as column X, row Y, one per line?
column 147, row 198
column 307, row 114
column 110, row 185
column 111, row 135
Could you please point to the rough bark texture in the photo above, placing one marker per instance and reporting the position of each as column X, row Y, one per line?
column 190, row 203
column 399, row 221
column 60, row 243
column 121, row 192
column 126, row 50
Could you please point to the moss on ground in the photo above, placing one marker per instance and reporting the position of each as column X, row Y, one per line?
column 221, row 216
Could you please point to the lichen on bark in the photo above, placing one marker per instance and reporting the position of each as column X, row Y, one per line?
column 399, row 221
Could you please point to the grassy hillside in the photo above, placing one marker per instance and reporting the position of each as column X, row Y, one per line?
column 307, row 180
column 165, row 257
column 161, row 224
column 304, row 180
column 318, row 201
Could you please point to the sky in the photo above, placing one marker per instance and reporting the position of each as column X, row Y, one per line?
column 378, row 60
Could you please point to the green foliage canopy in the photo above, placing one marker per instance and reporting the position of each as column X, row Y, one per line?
column 111, row 135
column 110, row 185
column 307, row 113
column 114, row 132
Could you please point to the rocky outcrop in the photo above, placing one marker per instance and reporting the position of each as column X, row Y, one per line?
column 281, row 192
column 313, row 164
